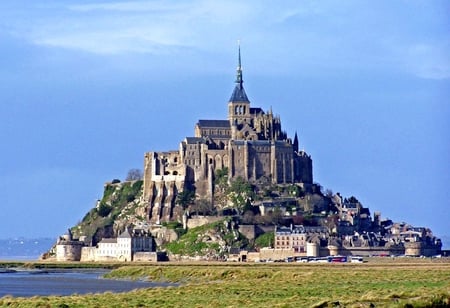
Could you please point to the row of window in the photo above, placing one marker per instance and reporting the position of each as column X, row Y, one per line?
column 294, row 238
column 240, row 109
column 288, row 244
column 208, row 132
column 191, row 162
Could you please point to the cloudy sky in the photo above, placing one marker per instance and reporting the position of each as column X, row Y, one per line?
column 86, row 87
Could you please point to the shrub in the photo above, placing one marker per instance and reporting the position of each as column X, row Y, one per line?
column 104, row 210
column 264, row 240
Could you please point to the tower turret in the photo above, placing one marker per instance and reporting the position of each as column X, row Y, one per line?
column 239, row 105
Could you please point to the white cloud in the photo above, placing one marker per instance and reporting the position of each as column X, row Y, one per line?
column 111, row 28
column 310, row 35
column 132, row 6
column 429, row 61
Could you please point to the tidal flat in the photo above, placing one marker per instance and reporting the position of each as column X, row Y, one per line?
column 377, row 283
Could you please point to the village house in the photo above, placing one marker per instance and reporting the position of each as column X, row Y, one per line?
column 137, row 245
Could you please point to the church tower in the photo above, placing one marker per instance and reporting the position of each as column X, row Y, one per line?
column 239, row 105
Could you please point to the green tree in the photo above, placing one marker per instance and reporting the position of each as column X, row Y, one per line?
column 265, row 240
column 239, row 192
column 103, row 210
column 185, row 198
column 221, row 187
column 276, row 216
column 294, row 190
column 221, row 177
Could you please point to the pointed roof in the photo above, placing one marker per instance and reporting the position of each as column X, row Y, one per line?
column 295, row 142
column 125, row 234
column 239, row 94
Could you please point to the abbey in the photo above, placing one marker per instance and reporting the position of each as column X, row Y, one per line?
column 249, row 144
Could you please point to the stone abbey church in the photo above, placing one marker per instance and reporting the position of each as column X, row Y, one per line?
column 250, row 144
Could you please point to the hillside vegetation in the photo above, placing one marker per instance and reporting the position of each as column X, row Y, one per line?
column 119, row 205
column 210, row 240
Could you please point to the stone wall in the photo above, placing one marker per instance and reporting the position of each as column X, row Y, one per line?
column 363, row 251
column 145, row 257
column 249, row 231
column 201, row 220
column 88, row 254
column 275, row 254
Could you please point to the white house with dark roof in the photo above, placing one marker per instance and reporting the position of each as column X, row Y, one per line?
column 125, row 247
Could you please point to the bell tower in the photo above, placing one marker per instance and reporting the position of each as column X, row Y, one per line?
column 239, row 105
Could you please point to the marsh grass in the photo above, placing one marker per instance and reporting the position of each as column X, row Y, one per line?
column 420, row 284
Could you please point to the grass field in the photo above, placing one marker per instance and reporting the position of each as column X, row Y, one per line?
column 378, row 283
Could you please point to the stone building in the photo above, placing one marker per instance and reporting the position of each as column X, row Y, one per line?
column 67, row 248
column 125, row 247
column 250, row 144
column 135, row 246
column 297, row 237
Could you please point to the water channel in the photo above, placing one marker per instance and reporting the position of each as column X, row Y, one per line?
column 27, row 283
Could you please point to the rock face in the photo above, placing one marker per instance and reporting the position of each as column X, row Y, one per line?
column 212, row 241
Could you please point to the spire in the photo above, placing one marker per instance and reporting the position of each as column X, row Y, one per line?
column 239, row 80
column 239, row 94
column 295, row 145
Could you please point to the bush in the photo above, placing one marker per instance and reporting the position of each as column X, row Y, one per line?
column 265, row 240
column 172, row 225
column 104, row 210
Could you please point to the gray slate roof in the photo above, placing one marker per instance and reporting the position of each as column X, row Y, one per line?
column 256, row 110
column 108, row 240
column 125, row 234
column 194, row 140
column 214, row 123
column 239, row 94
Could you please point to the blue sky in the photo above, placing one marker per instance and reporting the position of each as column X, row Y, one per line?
column 86, row 87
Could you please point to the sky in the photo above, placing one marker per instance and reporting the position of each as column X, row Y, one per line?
column 87, row 87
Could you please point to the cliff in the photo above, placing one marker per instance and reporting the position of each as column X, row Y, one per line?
column 119, row 207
